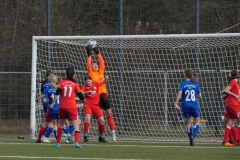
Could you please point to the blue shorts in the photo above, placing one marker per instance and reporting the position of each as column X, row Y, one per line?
column 53, row 116
column 45, row 109
column 190, row 111
column 188, row 115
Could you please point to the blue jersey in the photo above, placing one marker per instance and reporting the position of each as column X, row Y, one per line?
column 190, row 91
column 43, row 88
column 49, row 94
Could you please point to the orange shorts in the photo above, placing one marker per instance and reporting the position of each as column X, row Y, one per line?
column 93, row 109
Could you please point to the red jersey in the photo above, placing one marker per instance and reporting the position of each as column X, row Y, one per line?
column 93, row 97
column 67, row 96
column 235, row 90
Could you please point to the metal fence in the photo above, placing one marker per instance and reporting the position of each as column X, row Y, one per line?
column 15, row 93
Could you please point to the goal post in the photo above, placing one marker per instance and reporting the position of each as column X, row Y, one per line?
column 144, row 73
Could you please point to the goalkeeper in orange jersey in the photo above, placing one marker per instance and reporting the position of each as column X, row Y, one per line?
column 97, row 75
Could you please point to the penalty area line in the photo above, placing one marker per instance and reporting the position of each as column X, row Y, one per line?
column 133, row 145
column 29, row 157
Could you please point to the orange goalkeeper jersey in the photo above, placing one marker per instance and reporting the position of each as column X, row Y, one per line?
column 97, row 76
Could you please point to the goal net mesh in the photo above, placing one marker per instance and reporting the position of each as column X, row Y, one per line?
column 144, row 75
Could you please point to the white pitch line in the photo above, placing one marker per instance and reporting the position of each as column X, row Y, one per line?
column 142, row 146
column 27, row 157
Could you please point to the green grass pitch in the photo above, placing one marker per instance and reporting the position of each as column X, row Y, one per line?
column 13, row 148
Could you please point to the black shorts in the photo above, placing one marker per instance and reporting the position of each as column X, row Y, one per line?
column 104, row 101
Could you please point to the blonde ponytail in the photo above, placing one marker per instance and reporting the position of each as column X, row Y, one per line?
column 52, row 78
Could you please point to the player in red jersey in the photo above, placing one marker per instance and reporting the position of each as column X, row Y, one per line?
column 91, row 106
column 97, row 75
column 68, row 88
column 233, row 136
column 232, row 105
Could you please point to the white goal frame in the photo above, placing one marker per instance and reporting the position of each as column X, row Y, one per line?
column 115, row 37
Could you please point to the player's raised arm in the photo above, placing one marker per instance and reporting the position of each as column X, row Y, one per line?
column 99, row 56
column 101, row 61
column 89, row 60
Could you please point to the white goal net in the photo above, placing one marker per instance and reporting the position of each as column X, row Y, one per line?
column 144, row 73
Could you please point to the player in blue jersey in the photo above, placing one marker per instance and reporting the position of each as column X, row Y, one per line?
column 49, row 94
column 51, row 113
column 46, row 84
column 189, row 91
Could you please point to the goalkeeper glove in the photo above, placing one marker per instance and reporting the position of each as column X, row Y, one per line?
column 96, row 50
column 89, row 50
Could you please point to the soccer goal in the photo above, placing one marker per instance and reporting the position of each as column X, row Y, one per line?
column 144, row 73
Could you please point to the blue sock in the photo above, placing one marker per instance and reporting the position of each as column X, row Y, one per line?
column 71, row 129
column 55, row 133
column 100, row 135
column 195, row 130
column 85, row 134
column 48, row 132
column 66, row 130
column 189, row 131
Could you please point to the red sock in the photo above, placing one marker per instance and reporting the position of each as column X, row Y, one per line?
column 77, row 136
column 234, row 133
column 111, row 122
column 231, row 136
column 41, row 132
column 86, row 127
column 226, row 134
column 238, row 132
column 101, row 128
column 59, row 134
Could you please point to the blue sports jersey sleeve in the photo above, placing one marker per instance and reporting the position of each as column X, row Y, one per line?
column 46, row 93
column 42, row 89
column 45, row 86
column 180, row 89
